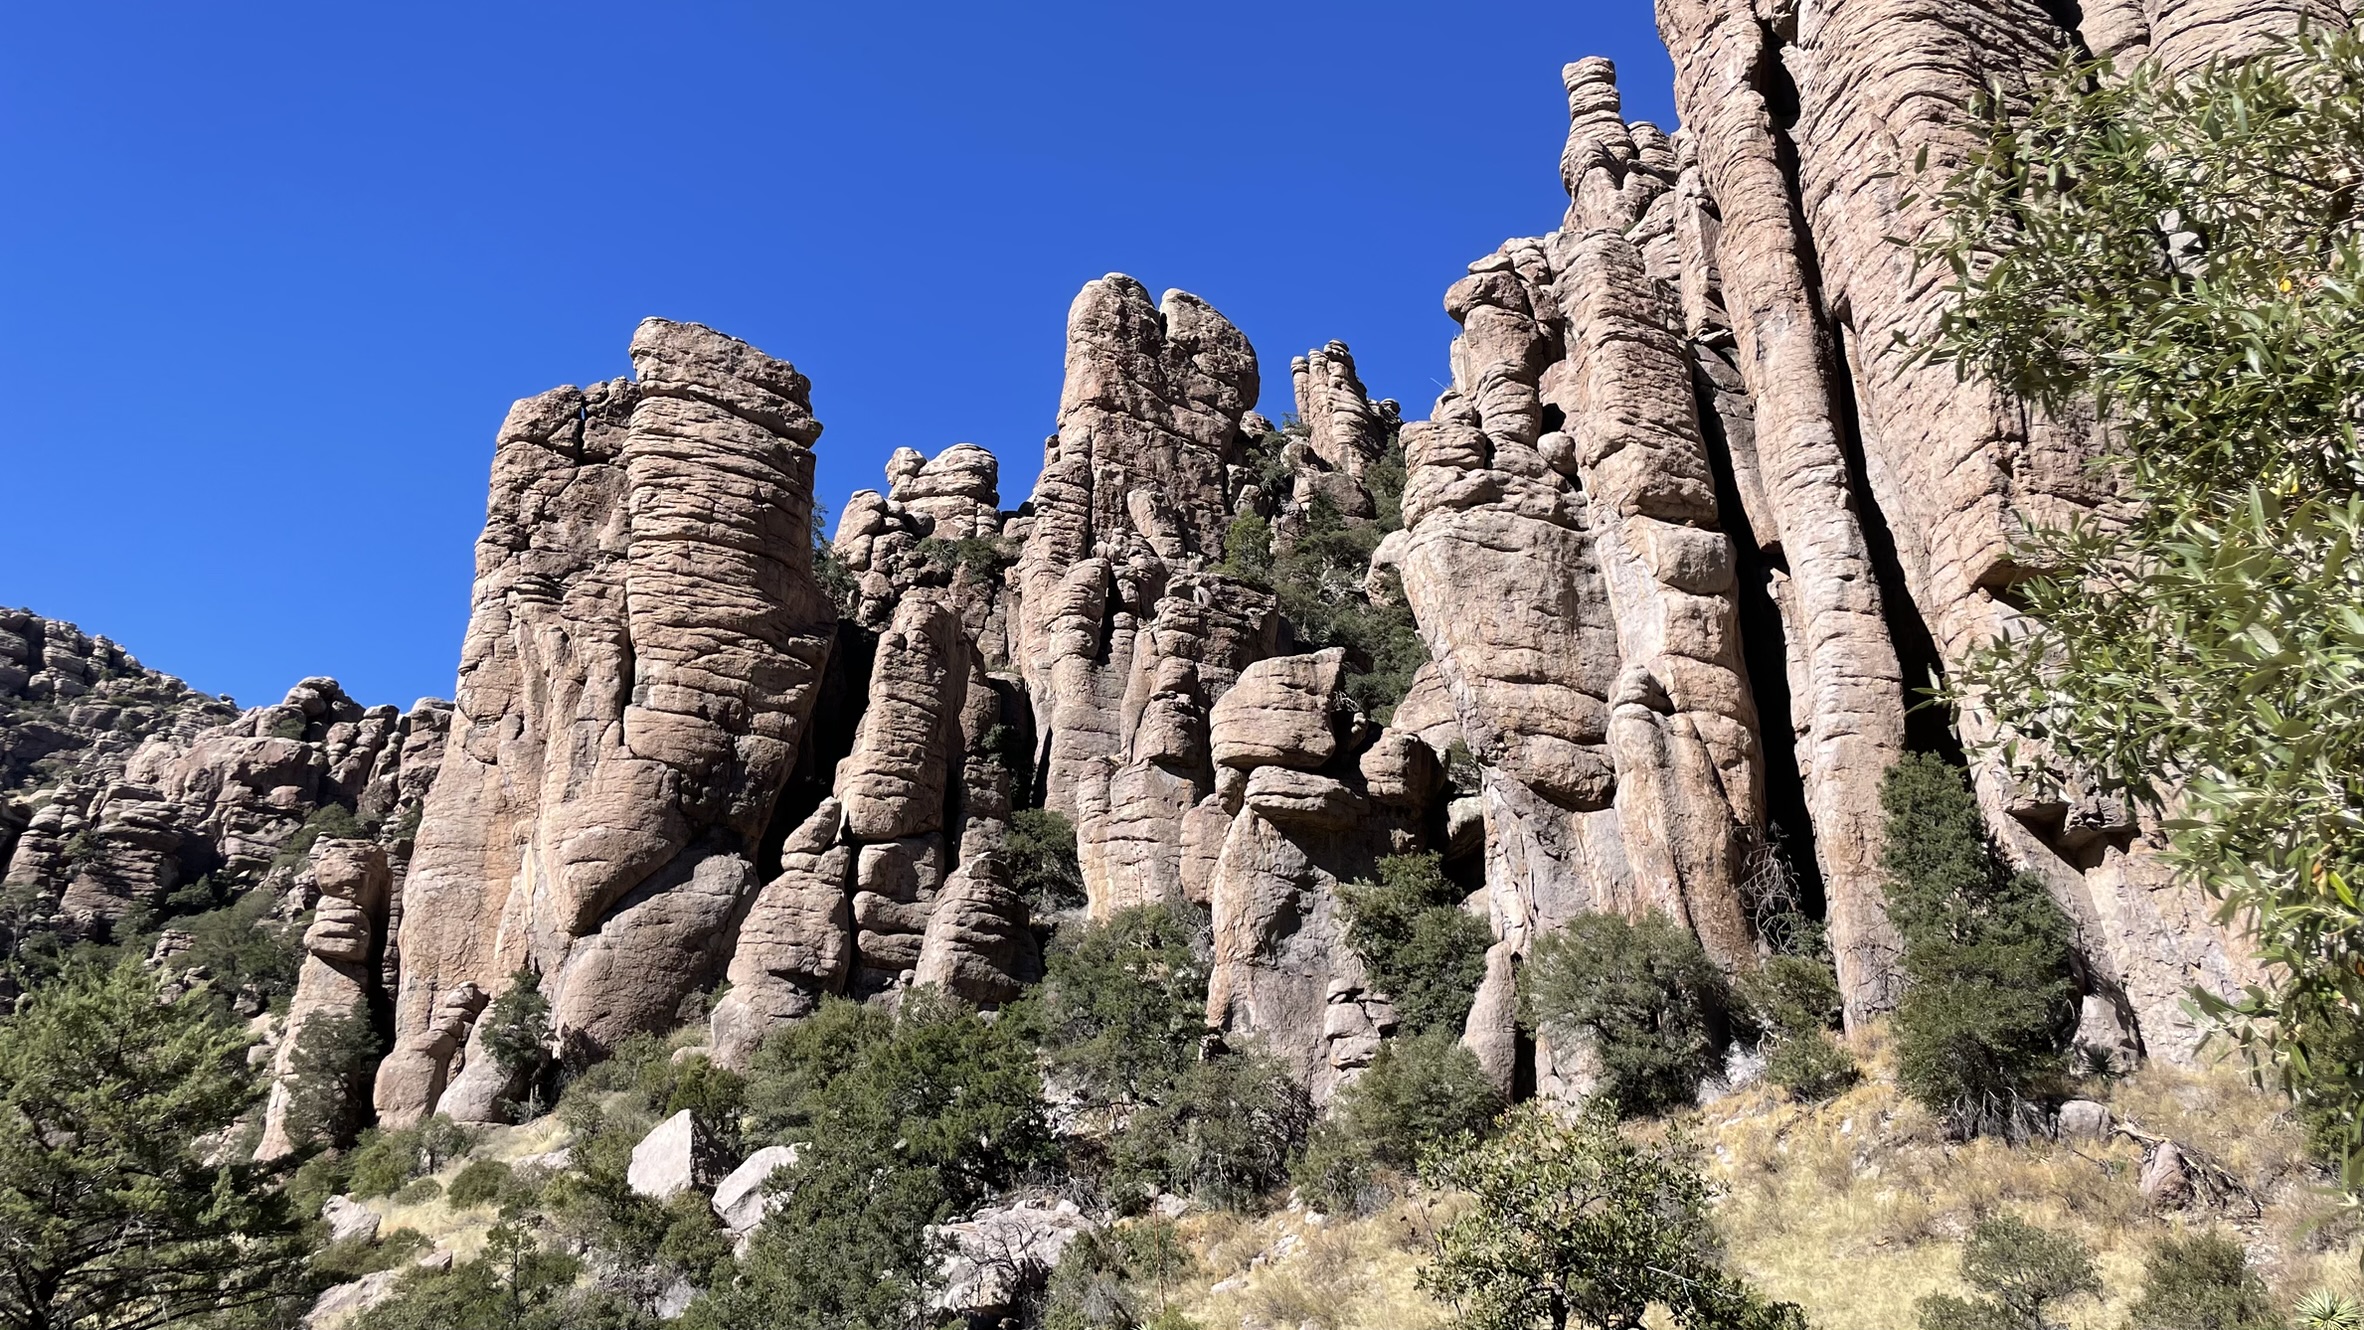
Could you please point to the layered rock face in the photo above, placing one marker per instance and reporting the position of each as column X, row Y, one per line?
column 75, row 706
column 1123, row 636
column 644, row 650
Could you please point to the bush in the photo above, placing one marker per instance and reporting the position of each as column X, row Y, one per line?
column 790, row 1075
column 908, row 1121
column 242, row 947
column 1573, row 1224
column 2020, row 1271
column 1247, row 551
column 1418, row 945
column 836, row 581
column 384, row 1160
column 1225, row 1133
column 328, row 1082
column 2202, row 1282
column 1643, row 993
column 644, row 1244
column 1319, row 585
column 517, row 1285
column 418, row 1192
column 1040, row 852
column 1794, row 1000
column 982, row 556
column 1420, row 1093
column 1988, row 1001
column 482, row 1182
column 344, row 1262
column 1115, row 1278
column 329, row 822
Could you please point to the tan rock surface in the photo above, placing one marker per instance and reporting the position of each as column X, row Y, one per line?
column 643, row 652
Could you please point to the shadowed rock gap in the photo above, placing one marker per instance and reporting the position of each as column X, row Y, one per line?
column 1764, row 646
column 1928, row 725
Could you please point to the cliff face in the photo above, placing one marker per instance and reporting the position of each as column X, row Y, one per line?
column 1681, row 540
column 1882, row 495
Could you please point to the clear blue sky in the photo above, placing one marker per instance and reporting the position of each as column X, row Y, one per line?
column 271, row 273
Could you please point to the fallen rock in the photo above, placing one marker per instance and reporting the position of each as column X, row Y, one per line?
column 740, row 1199
column 341, row 1303
column 671, row 1159
column 2084, row 1120
column 2166, row 1181
column 1001, row 1251
column 349, row 1221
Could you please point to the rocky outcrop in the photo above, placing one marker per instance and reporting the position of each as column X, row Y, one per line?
column 1123, row 636
column 644, row 649
column 222, row 800
column 1297, row 818
column 339, row 989
column 74, row 706
column 1680, row 539
column 1883, row 494
column 1600, row 683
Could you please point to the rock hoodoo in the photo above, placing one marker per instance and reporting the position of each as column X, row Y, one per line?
column 1681, row 540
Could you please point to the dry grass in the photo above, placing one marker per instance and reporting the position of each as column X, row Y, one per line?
column 461, row 1231
column 1286, row 1271
column 1853, row 1209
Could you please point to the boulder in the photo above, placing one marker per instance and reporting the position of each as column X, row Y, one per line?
column 1282, row 712
column 741, row 1199
column 349, row 1221
column 1004, row 1249
column 2083, row 1120
column 674, row 1157
column 977, row 944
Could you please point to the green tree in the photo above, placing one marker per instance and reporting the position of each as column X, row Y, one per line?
column 1645, row 995
column 517, row 1029
column 518, row 1284
column 1040, row 853
column 1419, row 1091
column 907, row 1122
column 2019, row 1272
column 1422, row 950
column 1794, row 1001
column 1988, row 997
column 1122, row 1008
column 1225, row 1131
column 328, row 1077
column 1573, row 1224
column 1121, row 1277
column 241, row 947
column 2179, row 258
column 111, row 1213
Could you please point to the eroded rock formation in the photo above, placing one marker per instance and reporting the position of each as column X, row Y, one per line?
column 203, row 795
column 644, row 650
column 1681, row 539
